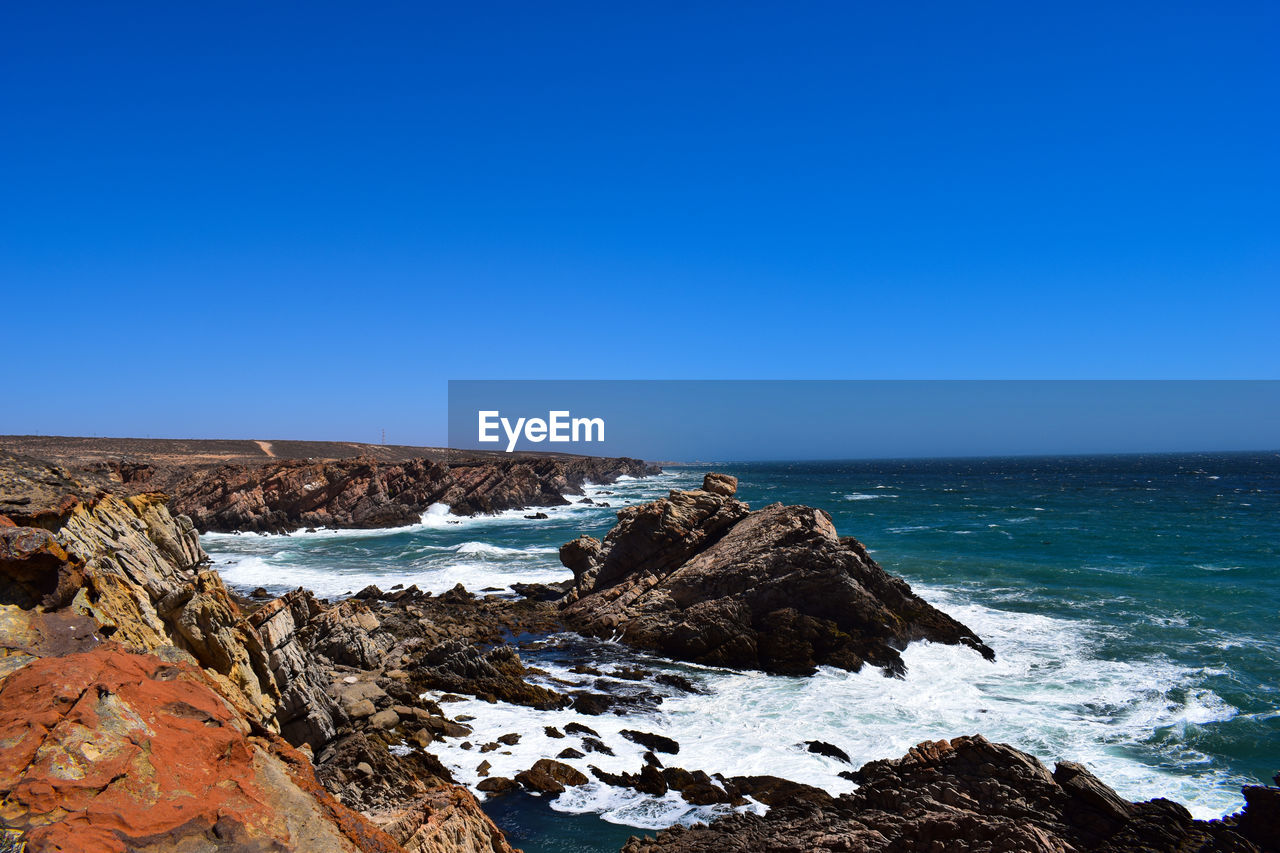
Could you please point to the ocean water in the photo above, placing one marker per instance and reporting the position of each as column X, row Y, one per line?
column 1133, row 603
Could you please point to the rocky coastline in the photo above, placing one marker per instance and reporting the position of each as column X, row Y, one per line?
column 145, row 706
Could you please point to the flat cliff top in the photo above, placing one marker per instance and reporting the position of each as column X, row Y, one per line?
column 83, row 451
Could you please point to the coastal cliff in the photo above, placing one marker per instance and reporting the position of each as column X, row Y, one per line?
column 363, row 492
column 158, row 702
column 144, row 706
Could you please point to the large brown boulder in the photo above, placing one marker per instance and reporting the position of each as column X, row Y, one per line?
column 698, row 577
column 107, row 751
column 551, row 777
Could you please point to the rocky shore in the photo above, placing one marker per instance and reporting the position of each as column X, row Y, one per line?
column 972, row 795
column 281, row 486
column 282, row 497
column 144, row 706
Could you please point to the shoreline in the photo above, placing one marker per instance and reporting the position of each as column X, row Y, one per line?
column 459, row 608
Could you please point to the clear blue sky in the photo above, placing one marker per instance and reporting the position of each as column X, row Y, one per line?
column 225, row 220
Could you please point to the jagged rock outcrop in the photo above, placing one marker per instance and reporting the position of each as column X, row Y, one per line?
column 697, row 576
column 363, row 492
column 495, row 674
column 970, row 794
column 108, row 751
column 130, row 567
column 86, row 575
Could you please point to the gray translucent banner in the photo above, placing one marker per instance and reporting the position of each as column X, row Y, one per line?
column 714, row 420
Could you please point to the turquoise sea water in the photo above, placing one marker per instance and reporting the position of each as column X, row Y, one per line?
column 1133, row 603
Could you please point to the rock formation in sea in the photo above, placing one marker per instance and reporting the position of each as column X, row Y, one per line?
column 981, row 797
column 697, row 576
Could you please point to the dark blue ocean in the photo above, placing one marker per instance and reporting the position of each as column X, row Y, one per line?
column 1133, row 603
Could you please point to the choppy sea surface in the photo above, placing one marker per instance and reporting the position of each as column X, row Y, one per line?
column 1133, row 603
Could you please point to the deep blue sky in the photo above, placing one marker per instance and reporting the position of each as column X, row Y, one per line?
column 224, row 220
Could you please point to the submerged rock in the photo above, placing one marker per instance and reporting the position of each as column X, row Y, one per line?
column 697, row 576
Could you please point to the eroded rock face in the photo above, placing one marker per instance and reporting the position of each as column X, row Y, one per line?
column 289, row 494
column 87, row 573
column 130, row 567
column 112, row 751
column 697, row 576
column 970, row 794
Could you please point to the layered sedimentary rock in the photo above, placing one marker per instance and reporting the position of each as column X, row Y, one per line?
column 973, row 795
column 156, row 698
column 697, row 576
column 128, row 566
column 363, row 492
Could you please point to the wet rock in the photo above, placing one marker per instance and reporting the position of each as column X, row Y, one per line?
column 550, row 777
column 696, row 576
column 543, row 591
column 593, row 704
column 552, row 731
column 822, row 748
column 591, row 744
column 966, row 794
column 655, row 742
column 498, row 785
column 493, row 675
column 580, row 729
column 569, row 753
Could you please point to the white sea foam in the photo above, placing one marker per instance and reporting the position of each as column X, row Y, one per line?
column 1047, row 693
column 863, row 496
column 1050, row 692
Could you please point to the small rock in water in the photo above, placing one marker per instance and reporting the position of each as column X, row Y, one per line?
column 496, row 785
column 822, row 748
column 579, row 729
column 591, row 744
column 657, row 743
column 570, row 752
column 552, row 731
